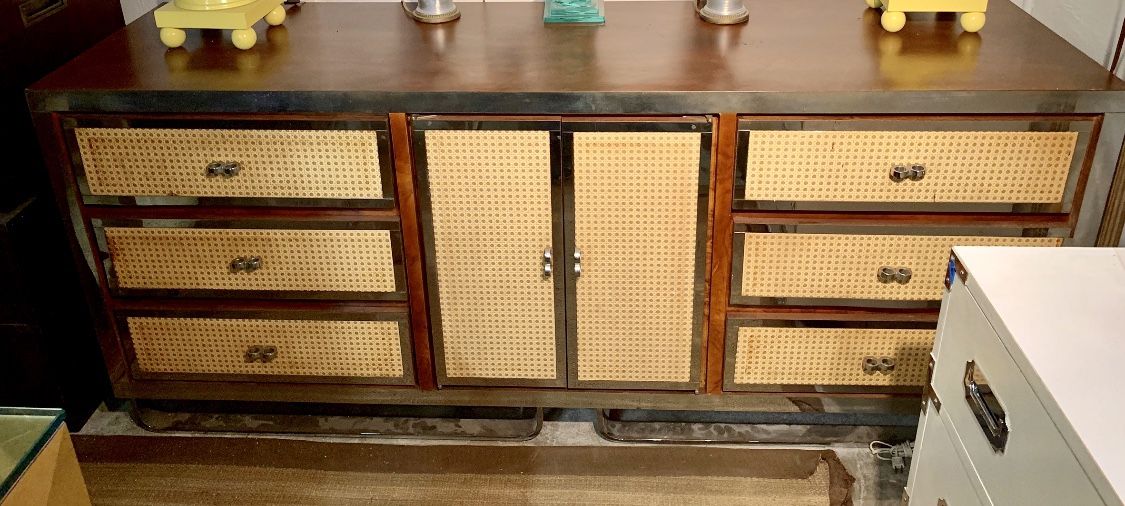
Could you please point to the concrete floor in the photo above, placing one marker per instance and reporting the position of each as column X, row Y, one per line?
column 876, row 483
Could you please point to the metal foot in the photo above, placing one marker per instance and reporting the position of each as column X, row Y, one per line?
column 610, row 425
column 419, row 422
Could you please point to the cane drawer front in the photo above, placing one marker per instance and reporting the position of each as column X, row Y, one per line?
column 637, row 232
column 274, row 348
column 851, row 266
column 488, row 218
column 874, row 164
column 313, row 263
column 1027, row 443
column 803, row 356
column 291, row 166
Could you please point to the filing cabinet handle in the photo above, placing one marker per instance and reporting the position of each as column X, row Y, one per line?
column 269, row 352
column 547, row 263
column 254, row 353
column 986, row 407
column 577, row 262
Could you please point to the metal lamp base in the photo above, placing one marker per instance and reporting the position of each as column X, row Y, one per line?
column 724, row 12
column 445, row 12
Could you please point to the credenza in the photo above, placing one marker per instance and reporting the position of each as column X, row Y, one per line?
column 655, row 213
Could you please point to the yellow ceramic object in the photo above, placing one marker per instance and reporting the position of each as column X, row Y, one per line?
column 239, row 16
column 894, row 11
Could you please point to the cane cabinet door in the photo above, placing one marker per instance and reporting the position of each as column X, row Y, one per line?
column 488, row 197
column 636, row 223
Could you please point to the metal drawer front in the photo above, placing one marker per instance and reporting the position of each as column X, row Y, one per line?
column 304, row 349
column 344, row 261
column 180, row 162
column 1034, row 453
column 847, row 266
column 958, row 166
column 937, row 472
column 771, row 358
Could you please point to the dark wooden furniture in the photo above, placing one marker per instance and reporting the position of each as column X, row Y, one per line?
column 48, row 355
column 808, row 143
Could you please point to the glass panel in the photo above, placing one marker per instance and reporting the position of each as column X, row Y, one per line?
column 23, row 433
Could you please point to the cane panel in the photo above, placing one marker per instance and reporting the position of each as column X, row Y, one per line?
column 847, row 266
column 636, row 198
column 327, row 164
column 1001, row 167
column 830, row 356
column 490, row 199
column 292, row 260
column 366, row 349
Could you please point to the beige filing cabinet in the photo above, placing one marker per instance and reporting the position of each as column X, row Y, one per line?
column 1027, row 361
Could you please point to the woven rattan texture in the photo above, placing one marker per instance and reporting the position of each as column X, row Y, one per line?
column 292, row 260
column 327, row 164
column 830, row 356
column 369, row 349
column 636, row 198
column 490, row 195
column 847, row 266
column 960, row 166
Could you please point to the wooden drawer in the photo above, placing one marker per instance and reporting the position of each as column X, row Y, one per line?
column 258, row 163
column 985, row 165
column 1034, row 453
column 842, row 265
column 341, row 260
column 358, row 347
column 824, row 355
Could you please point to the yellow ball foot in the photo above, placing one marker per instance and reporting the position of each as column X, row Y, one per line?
column 276, row 16
column 893, row 21
column 244, row 38
column 972, row 22
column 874, row 4
column 172, row 37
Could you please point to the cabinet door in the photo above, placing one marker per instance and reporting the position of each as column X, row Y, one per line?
column 489, row 215
column 636, row 224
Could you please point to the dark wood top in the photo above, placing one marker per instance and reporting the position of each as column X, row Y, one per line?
column 355, row 51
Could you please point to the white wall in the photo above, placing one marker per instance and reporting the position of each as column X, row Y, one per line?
column 1090, row 25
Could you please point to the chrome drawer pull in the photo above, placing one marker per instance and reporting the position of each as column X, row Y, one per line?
column 900, row 275
column 917, row 172
column 269, row 352
column 872, row 365
column 246, row 264
column 226, row 170
column 547, row 263
column 900, row 173
column 577, row 262
column 253, row 353
column 986, row 407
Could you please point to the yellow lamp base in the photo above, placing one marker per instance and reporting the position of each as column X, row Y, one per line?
column 894, row 11
column 238, row 16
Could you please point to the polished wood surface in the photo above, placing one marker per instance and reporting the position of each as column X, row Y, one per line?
column 721, row 253
column 412, row 251
column 795, row 46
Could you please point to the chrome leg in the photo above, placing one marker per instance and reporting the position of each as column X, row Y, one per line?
column 609, row 425
column 418, row 425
